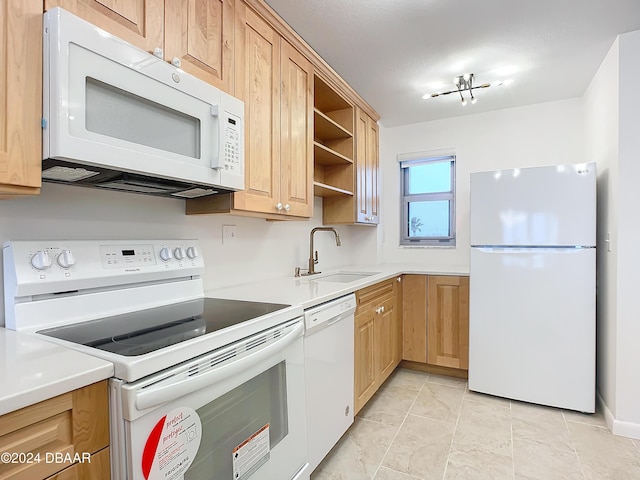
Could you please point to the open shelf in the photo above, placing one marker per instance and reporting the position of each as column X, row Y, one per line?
column 327, row 128
column 326, row 99
column 323, row 155
column 333, row 146
column 324, row 190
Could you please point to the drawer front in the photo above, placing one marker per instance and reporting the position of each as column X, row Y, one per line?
column 49, row 436
column 376, row 293
column 96, row 468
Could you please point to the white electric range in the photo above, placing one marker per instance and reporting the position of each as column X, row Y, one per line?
column 203, row 388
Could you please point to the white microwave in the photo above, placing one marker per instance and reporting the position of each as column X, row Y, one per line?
column 119, row 118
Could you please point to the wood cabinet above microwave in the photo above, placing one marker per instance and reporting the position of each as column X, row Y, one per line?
column 196, row 36
column 275, row 81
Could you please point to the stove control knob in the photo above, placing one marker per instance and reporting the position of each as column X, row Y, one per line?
column 41, row 260
column 165, row 254
column 179, row 253
column 66, row 259
column 192, row 252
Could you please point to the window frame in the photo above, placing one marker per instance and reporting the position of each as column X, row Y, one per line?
column 413, row 160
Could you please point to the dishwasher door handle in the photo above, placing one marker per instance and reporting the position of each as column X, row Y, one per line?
column 335, row 319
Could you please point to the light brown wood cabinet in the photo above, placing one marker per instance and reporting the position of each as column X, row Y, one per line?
column 414, row 318
column 21, row 92
column 368, row 168
column 139, row 22
column 199, row 34
column 448, row 321
column 363, row 206
column 378, row 333
column 276, row 84
column 73, row 423
column 436, row 320
column 333, row 149
column 97, row 468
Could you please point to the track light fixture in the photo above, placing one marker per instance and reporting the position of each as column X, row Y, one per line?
column 464, row 83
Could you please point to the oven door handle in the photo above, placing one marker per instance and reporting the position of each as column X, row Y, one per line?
column 165, row 392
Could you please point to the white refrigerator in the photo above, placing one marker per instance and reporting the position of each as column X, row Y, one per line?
column 533, row 285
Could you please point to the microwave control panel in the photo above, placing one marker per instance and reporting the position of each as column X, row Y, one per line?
column 232, row 144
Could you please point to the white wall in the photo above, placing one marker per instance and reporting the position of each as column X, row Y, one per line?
column 601, row 141
column 612, row 124
column 628, row 315
column 542, row 134
column 262, row 250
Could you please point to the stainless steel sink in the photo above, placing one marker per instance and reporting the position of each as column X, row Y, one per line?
column 344, row 277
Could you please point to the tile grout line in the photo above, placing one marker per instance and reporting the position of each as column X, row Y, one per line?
column 399, row 428
column 464, row 394
column 513, row 456
column 573, row 446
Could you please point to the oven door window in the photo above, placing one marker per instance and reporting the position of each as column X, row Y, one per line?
column 243, row 417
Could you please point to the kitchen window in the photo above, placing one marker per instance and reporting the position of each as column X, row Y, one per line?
column 427, row 182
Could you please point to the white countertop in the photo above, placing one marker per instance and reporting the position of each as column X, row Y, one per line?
column 33, row 370
column 311, row 291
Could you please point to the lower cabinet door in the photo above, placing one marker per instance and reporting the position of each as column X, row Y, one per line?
column 364, row 366
column 385, row 339
column 448, row 321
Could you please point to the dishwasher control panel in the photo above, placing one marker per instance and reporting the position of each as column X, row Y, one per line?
column 328, row 313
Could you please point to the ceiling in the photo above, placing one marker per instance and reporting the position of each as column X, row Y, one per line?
column 392, row 52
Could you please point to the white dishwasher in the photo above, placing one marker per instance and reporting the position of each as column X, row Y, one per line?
column 328, row 352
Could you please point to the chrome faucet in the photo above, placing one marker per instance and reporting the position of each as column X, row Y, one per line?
column 314, row 259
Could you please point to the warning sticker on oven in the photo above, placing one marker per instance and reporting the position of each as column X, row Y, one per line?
column 251, row 454
column 172, row 445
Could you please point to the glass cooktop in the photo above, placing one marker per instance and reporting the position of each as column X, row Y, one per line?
column 145, row 331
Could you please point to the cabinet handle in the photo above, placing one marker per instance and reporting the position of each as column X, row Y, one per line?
column 176, row 62
column 278, row 206
column 157, row 52
column 399, row 279
column 287, row 207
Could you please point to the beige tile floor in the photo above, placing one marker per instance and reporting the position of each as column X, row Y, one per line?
column 422, row 426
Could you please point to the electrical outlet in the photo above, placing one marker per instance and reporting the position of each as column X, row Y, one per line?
column 229, row 234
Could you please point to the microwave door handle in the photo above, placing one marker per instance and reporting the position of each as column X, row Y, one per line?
column 163, row 393
column 215, row 159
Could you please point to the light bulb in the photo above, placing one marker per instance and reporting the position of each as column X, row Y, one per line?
column 456, row 80
column 474, row 100
column 427, row 95
column 464, row 102
column 466, row 77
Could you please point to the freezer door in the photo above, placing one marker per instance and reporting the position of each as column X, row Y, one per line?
column 547, row 206
column 532, row 326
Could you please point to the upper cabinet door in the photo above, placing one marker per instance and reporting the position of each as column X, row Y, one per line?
column 373, row 170
column 200, row 34
column 367, row 196
column 257, row 47
column 296, row 153
column 20, row 90
column 139, row 22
